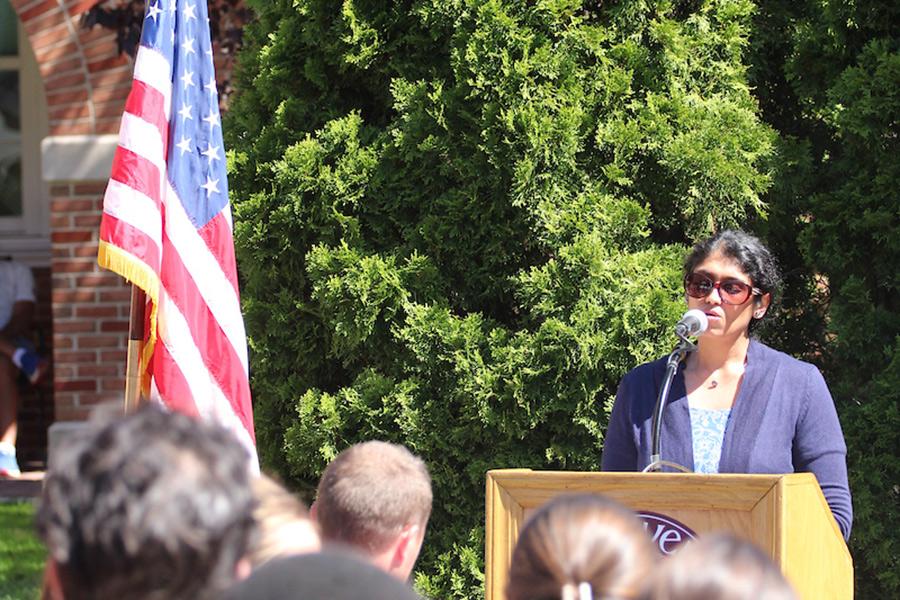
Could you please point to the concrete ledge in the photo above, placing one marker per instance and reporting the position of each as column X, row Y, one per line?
column 27, row 487
column 72, row 158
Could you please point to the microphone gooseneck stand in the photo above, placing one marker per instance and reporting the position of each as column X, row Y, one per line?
column 684, row 347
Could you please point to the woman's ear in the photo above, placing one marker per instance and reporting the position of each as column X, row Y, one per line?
column 762, row 305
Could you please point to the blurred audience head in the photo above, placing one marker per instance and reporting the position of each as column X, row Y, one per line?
column 148, row 506
column 719, row 567
column 283, row 524
column 320, row 576
column 580, row 547
column 376, row 498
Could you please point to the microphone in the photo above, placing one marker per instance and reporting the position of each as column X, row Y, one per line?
column 694, row 322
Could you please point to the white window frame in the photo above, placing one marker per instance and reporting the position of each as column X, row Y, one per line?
column 27, row 237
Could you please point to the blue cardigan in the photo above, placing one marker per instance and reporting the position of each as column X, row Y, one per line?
column 783, row 421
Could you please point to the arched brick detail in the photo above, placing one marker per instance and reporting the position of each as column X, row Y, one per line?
column 85, row 78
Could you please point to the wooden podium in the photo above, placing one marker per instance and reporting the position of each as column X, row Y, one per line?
column 785, row 515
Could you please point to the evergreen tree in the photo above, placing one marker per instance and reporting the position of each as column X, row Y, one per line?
column 827, row 74
column 460, row 222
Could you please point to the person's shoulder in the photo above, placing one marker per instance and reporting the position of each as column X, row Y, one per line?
column 776, row 358
column 333, row 574
column 646, row 371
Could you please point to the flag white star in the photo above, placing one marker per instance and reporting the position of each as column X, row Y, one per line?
column 184, row 145
column 172, row 8
column 211, row 153
column 153, row 12
column 185, row 112
column 210, row 86
column 212, row 120
column 188, row 46
column 189, row 12
column 188, row 79
column 211, row 186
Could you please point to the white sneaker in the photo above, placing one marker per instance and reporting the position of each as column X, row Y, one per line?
column 9, row 466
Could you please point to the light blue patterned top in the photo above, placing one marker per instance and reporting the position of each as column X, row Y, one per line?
column 708, row 431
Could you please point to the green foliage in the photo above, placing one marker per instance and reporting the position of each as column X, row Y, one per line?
column 460, row 222
column 828, row 75
column 872, row 417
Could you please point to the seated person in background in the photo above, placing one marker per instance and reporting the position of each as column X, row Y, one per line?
column 16, row 354
column 325, row 576
column 153, row 505
column 581, row 547
column 282, row 522
column 376, row 498
column 719, row 567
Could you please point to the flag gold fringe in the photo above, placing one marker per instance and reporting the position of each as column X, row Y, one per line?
column 140, row 274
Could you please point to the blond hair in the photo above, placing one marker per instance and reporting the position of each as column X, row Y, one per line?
column 720, row 567
column 370, row 492
column 283, row 524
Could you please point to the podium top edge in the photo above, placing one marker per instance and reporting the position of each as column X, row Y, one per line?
column 757, row 478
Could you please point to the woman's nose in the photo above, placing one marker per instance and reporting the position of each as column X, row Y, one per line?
column 714, row 296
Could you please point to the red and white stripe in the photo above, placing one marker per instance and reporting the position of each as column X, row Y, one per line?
column 199, row 363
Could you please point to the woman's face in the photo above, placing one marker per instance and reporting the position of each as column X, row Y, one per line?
column 726, row 319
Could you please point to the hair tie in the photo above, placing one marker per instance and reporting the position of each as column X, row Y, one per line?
column 584, row 591
column 581, row 592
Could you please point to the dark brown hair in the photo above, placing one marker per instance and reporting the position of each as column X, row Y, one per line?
column 153, row 505
column 750, row 254
column 719, row 567
column 580, row 538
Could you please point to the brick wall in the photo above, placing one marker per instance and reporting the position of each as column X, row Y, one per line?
column 90, row 306
column 86, row 82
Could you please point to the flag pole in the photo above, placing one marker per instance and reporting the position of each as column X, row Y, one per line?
column 135, row 345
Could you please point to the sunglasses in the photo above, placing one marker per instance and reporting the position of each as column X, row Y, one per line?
column 731, row 291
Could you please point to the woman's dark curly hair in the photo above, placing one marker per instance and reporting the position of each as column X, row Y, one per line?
column 752, row 257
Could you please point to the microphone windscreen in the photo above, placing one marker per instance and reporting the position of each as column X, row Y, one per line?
column 696, row 321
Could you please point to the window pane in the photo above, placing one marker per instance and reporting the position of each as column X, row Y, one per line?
column 10, row 111
column 11, row 186
column 10, row 146
column 9, row 43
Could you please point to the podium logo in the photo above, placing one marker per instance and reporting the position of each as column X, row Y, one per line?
column 667, row 533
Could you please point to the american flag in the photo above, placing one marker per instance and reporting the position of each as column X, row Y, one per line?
column 167, row 222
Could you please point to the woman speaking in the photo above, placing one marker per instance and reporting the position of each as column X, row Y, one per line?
column 735, row 405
